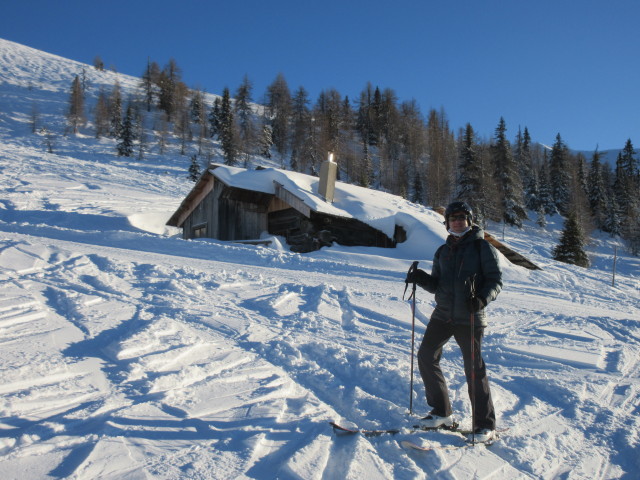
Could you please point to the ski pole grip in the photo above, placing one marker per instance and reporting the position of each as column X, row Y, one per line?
column 412, row 268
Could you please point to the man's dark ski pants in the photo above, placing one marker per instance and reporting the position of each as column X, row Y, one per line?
column 429, row 354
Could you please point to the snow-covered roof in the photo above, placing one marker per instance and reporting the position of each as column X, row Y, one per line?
column 380, row 210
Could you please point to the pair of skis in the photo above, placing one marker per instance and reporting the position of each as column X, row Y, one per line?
column 342, row 430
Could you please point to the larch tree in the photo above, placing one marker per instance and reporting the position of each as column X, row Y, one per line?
column 441, row 159
column 149, row 80
column 101, row 115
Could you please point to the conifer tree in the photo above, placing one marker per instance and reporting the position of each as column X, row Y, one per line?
column 98, row 63
column 541, row 220
column 559, row 175
column 228, row 137
column 127, row 134
column 214, row 118
column 172, row 91
column 279, row 107
column 469, row 186
column 366, row 176
column 375, row 118
column 546, row 198
column 417, row 193
column 266, row 141
column 244, row 117
column 301, row 146
column 115, row 111
column 597, row 192
column 613, row 222
column 627, row 188
column 363, row 120
column 76, row 105
column 197, row 107
column 524, row 164
column 532, row 192
column 572, row 243
column 194, row 169
column 509, row 181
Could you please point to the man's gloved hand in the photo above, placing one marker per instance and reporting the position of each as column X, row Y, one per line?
column 476, row 304
column 418, row 276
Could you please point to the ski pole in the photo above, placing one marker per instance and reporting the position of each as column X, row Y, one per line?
column 412, row 269
column 473, row 361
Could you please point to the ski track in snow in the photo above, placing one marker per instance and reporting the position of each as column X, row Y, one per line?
column 129, row 353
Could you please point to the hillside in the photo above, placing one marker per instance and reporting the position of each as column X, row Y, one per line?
column 128, row 352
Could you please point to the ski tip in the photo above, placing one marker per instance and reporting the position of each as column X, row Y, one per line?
column 340, row 429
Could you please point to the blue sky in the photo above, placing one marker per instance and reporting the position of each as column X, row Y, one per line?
column 554, row 66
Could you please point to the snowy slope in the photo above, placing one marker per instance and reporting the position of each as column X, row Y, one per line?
column 130, row 353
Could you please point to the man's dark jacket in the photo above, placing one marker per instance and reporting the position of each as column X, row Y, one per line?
column 454, row 265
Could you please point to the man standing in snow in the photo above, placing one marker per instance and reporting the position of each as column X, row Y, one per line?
column 465, row 277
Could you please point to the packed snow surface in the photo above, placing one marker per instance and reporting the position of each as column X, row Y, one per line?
column 127, row 352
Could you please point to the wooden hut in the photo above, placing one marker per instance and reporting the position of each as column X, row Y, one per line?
column 222, row 207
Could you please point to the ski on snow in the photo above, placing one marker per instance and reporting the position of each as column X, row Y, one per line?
column 341, row 430
column 427, row 448
column 409, row 445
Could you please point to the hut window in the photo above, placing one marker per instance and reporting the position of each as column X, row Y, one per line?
column 199, row 231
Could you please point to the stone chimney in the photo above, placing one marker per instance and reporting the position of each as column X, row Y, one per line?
column 328, row 174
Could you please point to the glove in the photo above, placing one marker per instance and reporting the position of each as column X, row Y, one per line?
column 476, row 304
column 418, row 276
